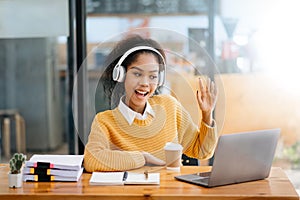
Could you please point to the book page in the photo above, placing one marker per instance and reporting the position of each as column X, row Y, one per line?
column 107, row 178
column 116, row 178
column 139, row 178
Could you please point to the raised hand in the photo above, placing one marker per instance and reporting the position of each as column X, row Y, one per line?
column 207, row 98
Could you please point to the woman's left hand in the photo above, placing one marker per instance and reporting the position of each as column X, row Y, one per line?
column 207, row 98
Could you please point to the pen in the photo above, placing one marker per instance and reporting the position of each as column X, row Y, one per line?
column 125, row 176
column 146, row 174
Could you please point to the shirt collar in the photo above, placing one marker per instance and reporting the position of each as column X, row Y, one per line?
column 130, row 115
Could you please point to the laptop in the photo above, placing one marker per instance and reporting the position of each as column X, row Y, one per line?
column 238, row 158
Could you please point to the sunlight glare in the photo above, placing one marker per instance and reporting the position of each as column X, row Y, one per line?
column 278, row 42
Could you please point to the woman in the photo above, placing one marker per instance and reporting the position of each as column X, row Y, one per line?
column 134, row 133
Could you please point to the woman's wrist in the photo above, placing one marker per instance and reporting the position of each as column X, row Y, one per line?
column 207, row 118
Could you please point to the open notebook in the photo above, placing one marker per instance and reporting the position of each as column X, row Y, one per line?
column 124, row 178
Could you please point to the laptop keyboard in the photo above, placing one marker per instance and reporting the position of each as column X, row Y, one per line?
column 198, row 178
column 201, row 180
column 204, row 174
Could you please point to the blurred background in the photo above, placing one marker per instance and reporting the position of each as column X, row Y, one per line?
column 52, row 53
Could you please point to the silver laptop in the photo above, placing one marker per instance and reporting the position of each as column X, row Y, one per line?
column 239, row 158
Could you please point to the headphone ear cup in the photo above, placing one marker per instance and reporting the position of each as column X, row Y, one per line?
column 119, row 73
column 115, row 74
column 161, row 78
column 122, row 74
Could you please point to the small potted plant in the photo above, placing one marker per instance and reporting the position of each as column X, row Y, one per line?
column 15, row 173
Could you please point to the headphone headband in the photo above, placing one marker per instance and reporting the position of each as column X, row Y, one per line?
column 119, row 70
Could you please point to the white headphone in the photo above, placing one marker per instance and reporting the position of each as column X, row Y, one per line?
column 119, row 70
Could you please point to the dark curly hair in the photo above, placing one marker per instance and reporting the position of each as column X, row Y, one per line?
column 115, row 90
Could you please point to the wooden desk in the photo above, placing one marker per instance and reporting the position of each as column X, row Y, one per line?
column 277, row 186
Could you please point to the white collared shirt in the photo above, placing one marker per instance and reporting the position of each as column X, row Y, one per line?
column 130, row 114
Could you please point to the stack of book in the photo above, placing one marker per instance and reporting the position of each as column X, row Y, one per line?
column 46, row 168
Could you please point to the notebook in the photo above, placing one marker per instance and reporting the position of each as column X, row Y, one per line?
column 53, row 172
column 53, row 168
column 239, row 157
column 48, row 178
column 66, row 162
column 124, row 178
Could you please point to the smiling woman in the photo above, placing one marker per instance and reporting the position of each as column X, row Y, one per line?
column 135, row 132
column 141, row 81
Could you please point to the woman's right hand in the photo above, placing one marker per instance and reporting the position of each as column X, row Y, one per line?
column 150, row 159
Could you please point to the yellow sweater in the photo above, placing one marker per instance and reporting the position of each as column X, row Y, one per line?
column 114, row 145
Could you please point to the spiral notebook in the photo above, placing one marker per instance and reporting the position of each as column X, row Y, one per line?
column 124, row 178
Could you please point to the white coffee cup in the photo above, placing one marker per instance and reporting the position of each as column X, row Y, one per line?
column 173, row 153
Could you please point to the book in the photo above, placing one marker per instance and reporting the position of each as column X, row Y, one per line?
column 54, row 172
column 44, row 168
column 124, row 178
column 67, row 162
column 48, row 178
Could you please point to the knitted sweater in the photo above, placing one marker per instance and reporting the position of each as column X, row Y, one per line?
column 114, row 145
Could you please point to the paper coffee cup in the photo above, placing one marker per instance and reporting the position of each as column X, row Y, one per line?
column 173, row 153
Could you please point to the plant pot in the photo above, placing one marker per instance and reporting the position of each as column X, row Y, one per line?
column 15, row 180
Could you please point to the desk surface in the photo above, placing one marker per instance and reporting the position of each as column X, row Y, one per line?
column 275, row 187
